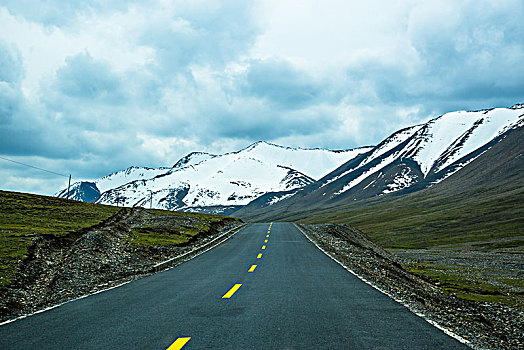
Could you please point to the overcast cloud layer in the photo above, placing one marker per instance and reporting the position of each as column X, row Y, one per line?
column 92, row 87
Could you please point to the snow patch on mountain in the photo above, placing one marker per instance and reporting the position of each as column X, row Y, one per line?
column 382, row 164
column 391, row 142
column 128, row 175
column 232, row 179
column 193, row 158
column 277, row 199
column 403, row 180
column 460, row 133
column 435, row 146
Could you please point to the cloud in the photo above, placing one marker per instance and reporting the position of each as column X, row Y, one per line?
column 282, row 84
column 11, row 68
column 85, row 78
column 90, row 87
column 11, row 72
column 193, row 33
column 59, row 13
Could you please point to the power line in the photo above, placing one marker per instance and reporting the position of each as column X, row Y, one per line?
column 35, row 167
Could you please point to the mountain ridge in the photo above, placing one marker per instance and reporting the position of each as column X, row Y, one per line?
column 201, row 179
column 395, row 164
column 264, row 174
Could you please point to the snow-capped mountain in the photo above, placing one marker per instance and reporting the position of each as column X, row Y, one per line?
column 90, row 191
column 266, row 175
column 202, row 180
column 409, row 160
column 430, row 152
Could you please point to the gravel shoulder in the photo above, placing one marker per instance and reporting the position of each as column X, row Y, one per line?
column 59, row 269
column 484, row 325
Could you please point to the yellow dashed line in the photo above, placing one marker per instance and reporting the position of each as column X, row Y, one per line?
column 263, row 247
column 179, row 343
column 232, row 291
column 267, row 236
column 259, row 256
column 265, row 241
column 252, row 268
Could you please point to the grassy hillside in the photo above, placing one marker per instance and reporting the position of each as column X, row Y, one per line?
column 25, row 216
column 485, row 217
column 172, row 228
column 487, row 220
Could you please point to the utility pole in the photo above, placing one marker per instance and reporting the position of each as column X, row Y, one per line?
column 69, row 185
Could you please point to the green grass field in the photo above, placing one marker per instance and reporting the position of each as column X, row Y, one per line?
column 470, row 286
column 23, row 216
column 174, row 232
column 489, row 220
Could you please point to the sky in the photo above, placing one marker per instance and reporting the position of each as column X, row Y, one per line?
column 92, row 87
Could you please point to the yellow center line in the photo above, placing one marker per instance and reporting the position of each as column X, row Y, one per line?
column 232, row 291
column 265, row 241
column 259, row 256
column 252, row 268
column 179, row 343
column 267, row 236
column 263, row 247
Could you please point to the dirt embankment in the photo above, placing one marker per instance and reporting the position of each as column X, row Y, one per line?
column 483, row 325
column 58, row 269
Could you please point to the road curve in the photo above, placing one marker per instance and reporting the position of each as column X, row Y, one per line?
column 294, row 298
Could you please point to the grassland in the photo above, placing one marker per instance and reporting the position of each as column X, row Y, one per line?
column 485, row 219
column 23, row 216
column 470, row 285
column 168, row 232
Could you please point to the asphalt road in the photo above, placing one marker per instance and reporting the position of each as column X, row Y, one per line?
column 295, row 298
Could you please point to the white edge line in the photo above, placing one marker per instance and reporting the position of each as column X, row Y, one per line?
column 121, row 284
column 208, row 243
column 406, row 305
column 65, row 302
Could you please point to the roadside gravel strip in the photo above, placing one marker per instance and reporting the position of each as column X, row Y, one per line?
column 479, row 325
column 96, row 260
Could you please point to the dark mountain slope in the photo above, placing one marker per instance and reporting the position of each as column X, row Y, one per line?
column 480, row 203
column 408, row 161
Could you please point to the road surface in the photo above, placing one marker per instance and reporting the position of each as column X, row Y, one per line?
column 294, row 298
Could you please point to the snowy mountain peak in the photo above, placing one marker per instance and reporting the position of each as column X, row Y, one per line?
column 410, row 159
column 193, row 158
column 201, row 179
column 428, row 152
column 258, row 144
